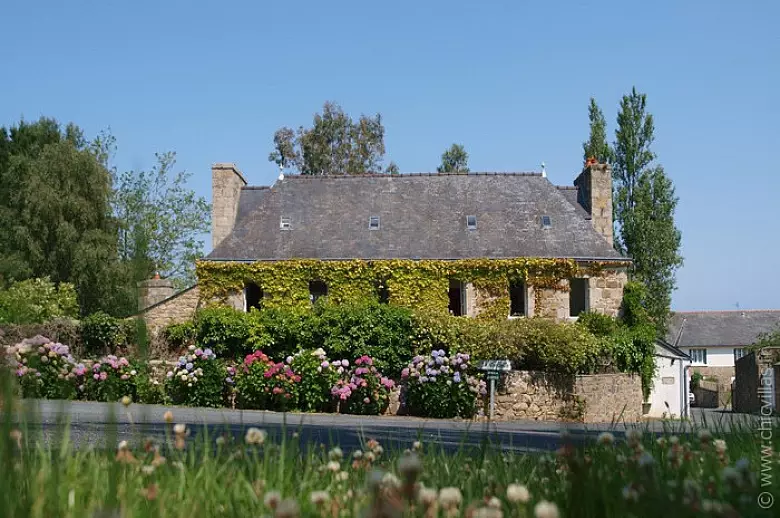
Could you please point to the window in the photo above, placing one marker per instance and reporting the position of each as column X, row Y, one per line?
column 471, row 222
column 699, row 356
column 317, row 290
column 373, row 223
column 546, row 221
column 578, row 297
column 285, row 223
column 253, row 296
column 382, row 291
column 517, row 296
column 739, row 352
column 457, row 295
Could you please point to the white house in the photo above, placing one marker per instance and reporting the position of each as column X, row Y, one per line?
column 671, row 387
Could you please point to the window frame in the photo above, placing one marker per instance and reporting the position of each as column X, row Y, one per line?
column 312, row 299
column 285, row 223
column 742, row 350
column 693, row 352
column 371, row 223
column 523, row 286
column 469, row 225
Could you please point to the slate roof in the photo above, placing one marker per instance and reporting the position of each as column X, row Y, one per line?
column 422, row 216
column 720, row 328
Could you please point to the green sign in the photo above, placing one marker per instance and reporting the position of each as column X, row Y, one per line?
column 493, row 375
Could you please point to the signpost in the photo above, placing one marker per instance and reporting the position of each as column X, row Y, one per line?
column 493, row 370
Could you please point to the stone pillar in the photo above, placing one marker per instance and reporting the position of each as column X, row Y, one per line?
column 226, row 184
column 594, row 192
column 152, row 291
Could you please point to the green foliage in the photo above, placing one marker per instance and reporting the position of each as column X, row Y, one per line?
column 161, row 221
column 279, row 332
column 197, row 379
column 180, row 334
column 44, row 369
column 110, row 379
column 596, row 146
column 317, row 376
column 696, row 378
column 262, row 384
column 439, row 385
column 148, row 390
column 454, row 160
column 335, row 144
column 223, row 330
column 35, row 301
column 103, row 333
column 598, row 323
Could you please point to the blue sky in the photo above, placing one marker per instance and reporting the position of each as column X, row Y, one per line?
column 510, row 80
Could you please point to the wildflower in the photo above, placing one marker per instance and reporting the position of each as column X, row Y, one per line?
column 545, row 509
column 646, row 460
column 272, row 499
column 705, row 436
column 255, row 436
column 518, row 493
column 417, row 446
column 409, row 466
column 426, row 496
column 661, row 441
column 720, row 446
column 450, row 497
column 147, row 470
column 288, row 509
column 357, row 454
column 488, row 512
column 180, row 429
column 122, row 446
column 333, row 466
column 319, row 498
column 370, row 457
column 168, row 416
column 390, row 480
column 149, row 492
column 342, row 476
column 126, row 400
column 634, row 437
column 336, row 453
column 606, row 438
column 630, row 494
column 494, row 503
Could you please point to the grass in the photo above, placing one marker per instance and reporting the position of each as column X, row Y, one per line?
column 254, row 474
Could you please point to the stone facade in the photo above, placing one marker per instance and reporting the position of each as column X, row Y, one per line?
column 154, row 291
column 605, row 294
column 551, row 303
column 590, row 399
column 227, row 182
column 179, row 308
column 595, row 194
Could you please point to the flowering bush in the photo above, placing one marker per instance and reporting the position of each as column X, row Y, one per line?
column 264, row 385
column 109, row 379
column 317, row 375
column 363, row 390
column 44, row 369
column 196, row 379
column 439, row 386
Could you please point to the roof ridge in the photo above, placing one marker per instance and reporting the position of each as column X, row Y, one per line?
column 726, row 311
column 255, row 188
column 567, row 187
column 403, row 175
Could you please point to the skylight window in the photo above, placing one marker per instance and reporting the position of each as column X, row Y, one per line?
column 546, row 221
column 471, row 222
column 285, row 223
column 373, row 223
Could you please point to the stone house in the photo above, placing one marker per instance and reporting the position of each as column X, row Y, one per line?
column 715, row 340
column 375, row 221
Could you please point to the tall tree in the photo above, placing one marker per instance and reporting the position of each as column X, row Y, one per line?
column 161, row 221
column 454, row 160
column 55, row 214
column 644, row 205
column 596, row 146
column 335, row 144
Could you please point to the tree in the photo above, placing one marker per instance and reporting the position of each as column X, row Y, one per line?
column 161, row 222
column 392, row 168
column 645, row 202
column 55, row 214
column 596, row 146
column 454, row 160
column 335, row 144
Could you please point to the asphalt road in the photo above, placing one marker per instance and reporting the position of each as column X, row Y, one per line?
column 92, row 423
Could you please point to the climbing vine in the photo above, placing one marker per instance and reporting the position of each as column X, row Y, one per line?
column 419, row 284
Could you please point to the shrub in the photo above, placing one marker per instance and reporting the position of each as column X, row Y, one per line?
column 598, row 324
column 65, row 331
column 45, row 369
column 102, row 333
column 440, row 386
column 280, row 332
column 317, row 375
column 435, row 331
column 223, row 330
column 180, row 334
column 34, row 301
column 363, row 390
column 110, row 379
column 148, row 390
column 262, row 384
column 196, row 379
column 380, row 331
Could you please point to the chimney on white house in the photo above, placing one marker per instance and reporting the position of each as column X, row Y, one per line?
column 594, row 192
column 226, row 184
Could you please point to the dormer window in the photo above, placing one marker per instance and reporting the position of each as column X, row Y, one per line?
column 285, row 223
column 471, row 222
column 373, row 223
column 546, row 221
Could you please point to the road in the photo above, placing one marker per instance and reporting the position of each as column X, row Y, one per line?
column 92, row 422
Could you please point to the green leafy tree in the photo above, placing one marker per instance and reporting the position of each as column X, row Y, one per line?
column 161, row 221
column 645, row 202
column 55, row 214
column 596, row 146
column 454, row 160
column 392, row 168
column 335, row 144
column 35, row 301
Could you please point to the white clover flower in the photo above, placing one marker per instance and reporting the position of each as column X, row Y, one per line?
column 518, row 493
column 272, row 499
column 179, row 428
column 370, row 457
column 606, row 438
column 390, row 480
column 705, row 436
column 220, row 440
column 494, row 502
column 450, row 497
column 357, row 454
column 319, row 498
column 255, row 436
column 409, row 466
column 488, row 512
column 147, row 470
column 133, row 372
column 378, row 450
column 426, row 496
column 417, row 446
column 336, row 453
column 342, row 476
column 545, row 509
column 122, row 446
column 333, row 466
column 720, row 446
column 674, row 439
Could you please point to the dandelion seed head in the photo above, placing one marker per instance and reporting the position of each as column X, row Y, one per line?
column 518, row 493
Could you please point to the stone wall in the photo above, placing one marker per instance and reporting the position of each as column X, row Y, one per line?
column 154, row 291
column 706, row 394
column 723, row 376
column 551, row 303
column 745, row 398
column 226, row 184
column 605, row 294
column 178, row 308
column 594, row 186
column 554, row 397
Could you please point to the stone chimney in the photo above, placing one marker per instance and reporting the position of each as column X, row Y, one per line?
column 594, row 192
column 226, row 184
column 152, row 291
